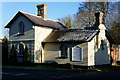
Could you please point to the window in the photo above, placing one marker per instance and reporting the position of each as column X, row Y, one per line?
column 21, row 28
column 76, row 53
column 63, row 49
column 21, row 49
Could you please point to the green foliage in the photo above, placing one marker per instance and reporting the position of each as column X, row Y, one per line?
column 13, row 56
column 26, row 57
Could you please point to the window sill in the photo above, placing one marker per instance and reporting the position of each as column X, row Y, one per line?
column 20, row 34
column 76, row 61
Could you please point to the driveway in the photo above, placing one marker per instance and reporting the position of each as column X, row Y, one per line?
column 31, row 74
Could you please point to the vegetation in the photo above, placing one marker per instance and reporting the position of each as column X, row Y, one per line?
column 13, row 56
column 66, row 67
column 4, row 50
column 67, row 21
column 24, row 54
column 84, row 17
column 26, row 57
column 115, row 31
column 37, row 67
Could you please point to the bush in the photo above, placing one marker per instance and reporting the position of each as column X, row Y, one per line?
column 118, row 62
column 4, row 50
column 26, row 57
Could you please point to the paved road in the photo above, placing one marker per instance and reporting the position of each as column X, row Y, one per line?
column 23, row 74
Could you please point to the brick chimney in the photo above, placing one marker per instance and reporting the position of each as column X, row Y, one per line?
column 42, row 10
column 99, row 19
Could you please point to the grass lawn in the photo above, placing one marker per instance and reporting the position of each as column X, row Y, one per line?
column 107, row 68
column 65, row 67
column 37, row 67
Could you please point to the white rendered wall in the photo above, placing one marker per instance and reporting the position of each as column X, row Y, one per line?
column 40, row 34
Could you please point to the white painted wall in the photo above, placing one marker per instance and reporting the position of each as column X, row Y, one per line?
column 102, row 56
column 91, row 52
column 97, row 55
column 40, row 34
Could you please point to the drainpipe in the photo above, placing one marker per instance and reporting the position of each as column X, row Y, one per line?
column 41, row 55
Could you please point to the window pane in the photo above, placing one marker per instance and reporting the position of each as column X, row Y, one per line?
column 76, row 53
column 63, row 51
column 21, row 27
column 21, row 50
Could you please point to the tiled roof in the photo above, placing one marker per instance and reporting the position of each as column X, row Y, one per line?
column 71, row 35
column 37, row 20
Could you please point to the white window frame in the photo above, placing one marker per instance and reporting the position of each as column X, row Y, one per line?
column 81, row 54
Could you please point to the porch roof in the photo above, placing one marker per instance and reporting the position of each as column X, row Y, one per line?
column 71, row 35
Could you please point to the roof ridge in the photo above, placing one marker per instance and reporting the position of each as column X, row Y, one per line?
column 48, row 24
column 51, row 20
column 73, row 30
column 36, row 20
column 37, row 16
column 30, row 14
column 78, row 29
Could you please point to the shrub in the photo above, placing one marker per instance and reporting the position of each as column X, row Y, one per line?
column 26, row 57
column 13, row 57
column 4, row 50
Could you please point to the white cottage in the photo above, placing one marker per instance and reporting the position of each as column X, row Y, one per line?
column 50, row 41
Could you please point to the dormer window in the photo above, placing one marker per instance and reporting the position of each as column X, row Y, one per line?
column 21, row 28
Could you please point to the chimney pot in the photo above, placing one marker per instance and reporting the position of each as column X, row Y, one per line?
column 99, row 19
column 42, row 10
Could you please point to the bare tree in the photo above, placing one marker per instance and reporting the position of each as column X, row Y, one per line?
column 67, row 21
column 85, row 15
